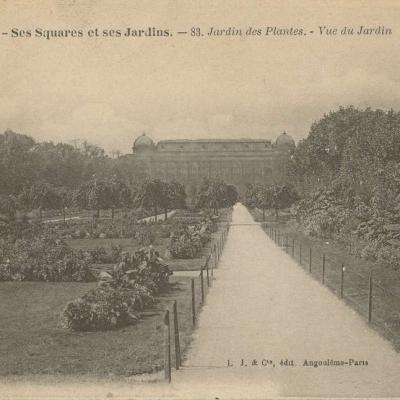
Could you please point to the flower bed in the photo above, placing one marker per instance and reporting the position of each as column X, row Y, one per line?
column 99, row 255
column 189, row 240
column 83, row 229
column 121, row 295
column 43, row 259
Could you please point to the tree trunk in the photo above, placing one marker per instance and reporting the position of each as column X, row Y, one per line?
column 98, row 213
column 63, row 212
column 112, row 213
column 40, row 213
column 155, row 214
column 263, row 210
column 165, row 214
column 276, row 214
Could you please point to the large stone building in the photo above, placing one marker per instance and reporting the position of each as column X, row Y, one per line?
column 236, row 161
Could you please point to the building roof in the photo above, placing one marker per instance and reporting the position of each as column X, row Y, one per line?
column 142, row 142
column 285, row 140
column 242, row 140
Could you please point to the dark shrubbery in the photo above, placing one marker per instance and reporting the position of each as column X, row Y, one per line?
column 323, row 214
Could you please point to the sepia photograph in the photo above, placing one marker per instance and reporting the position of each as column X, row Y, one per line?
column 199, row 199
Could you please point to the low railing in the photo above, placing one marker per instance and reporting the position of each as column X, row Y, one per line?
column 371, row 299
column 206, row 278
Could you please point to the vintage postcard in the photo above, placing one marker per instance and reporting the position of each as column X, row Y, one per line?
column 199, row 199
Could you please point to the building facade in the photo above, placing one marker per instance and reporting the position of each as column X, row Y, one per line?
column 236, row 161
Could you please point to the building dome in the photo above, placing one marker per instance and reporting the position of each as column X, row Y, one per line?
column 143, row 142
column 285, row 140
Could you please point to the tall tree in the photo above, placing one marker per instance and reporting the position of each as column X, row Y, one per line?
column 215, row 194
column 120, row 194
column 151, row 196
column 41, row 196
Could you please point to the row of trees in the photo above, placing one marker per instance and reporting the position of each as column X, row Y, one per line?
column 160, row 195
column 274, row 197
column 216, row 194
column 48, row 176
column 24, row 162
column 96, row 194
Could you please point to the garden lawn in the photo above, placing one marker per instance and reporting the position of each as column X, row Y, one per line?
column 32, row 341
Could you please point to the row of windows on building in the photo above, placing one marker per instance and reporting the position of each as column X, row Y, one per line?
column 211, row 169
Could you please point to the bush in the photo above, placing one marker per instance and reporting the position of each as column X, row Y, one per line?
column 43, row 259
column 185, row 247
column 389, row 256
column 120, row 296
column 102, row 308
column 188, row 242
column 145, row 236
column 99, row 255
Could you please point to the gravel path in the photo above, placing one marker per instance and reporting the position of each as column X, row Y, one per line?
column 264, row 307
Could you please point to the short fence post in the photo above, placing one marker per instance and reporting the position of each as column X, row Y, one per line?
column 176, row 336
column 202, row 285
column 212, row 266
column 193, row 304
column 292, row 247
column 167, row 348
column 370, row 299
column 208, row 275
column 309, row 263
column 341, row 281
column 300, row 253
column 323, row 269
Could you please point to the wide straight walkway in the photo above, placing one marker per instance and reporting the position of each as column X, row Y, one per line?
column 263, row 307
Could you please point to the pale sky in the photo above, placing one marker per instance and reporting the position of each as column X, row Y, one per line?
column 108, row 91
